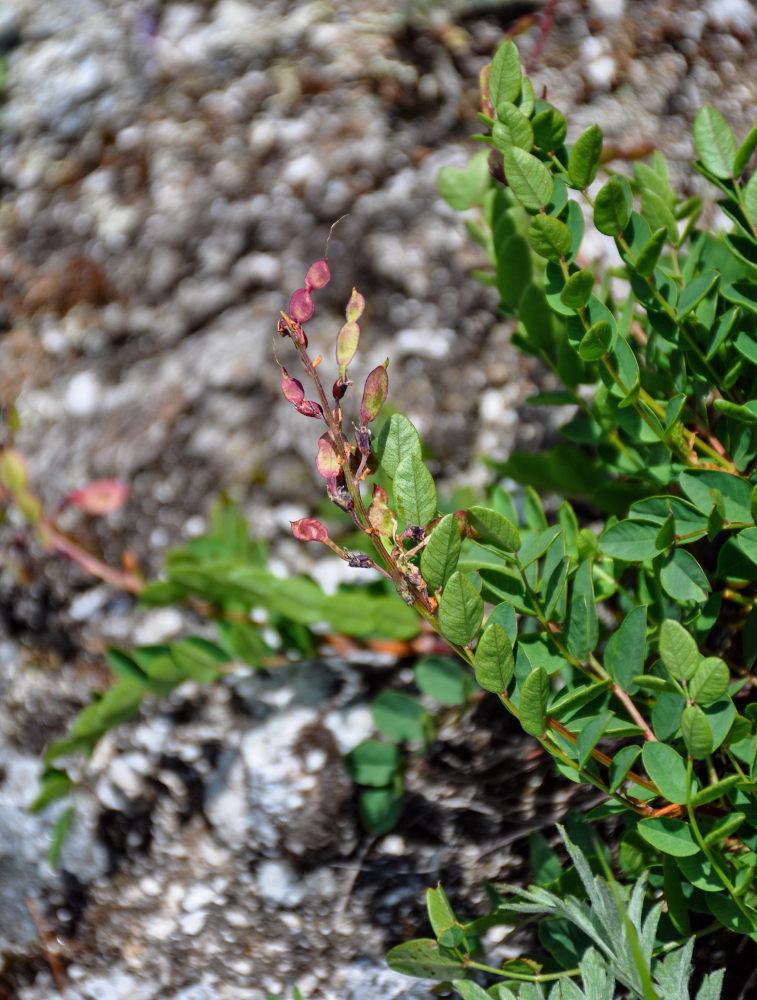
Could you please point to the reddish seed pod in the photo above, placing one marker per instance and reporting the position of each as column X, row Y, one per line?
column 374, row 394
column 292, row 388
column 301, row 306
column 318, row 275
column 310, row 409
column 339, row 388
column 100, row 497
column 309, row 529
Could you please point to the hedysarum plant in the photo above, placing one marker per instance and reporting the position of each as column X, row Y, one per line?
column 627, row 652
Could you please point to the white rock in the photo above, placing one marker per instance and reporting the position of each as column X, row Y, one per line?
column 278, row 883
column 82, row 394
column 198, row 896
column 192, row 923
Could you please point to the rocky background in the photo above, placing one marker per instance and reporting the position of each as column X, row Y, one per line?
column 168, row 170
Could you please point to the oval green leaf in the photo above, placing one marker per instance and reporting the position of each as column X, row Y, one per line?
column 549, row 237
column 613, row 205
column 494, row 662
column 461, row 609
column 696, row 732
column 528, row 178
column 667, row 769
column 396, row 440
column 494, row 527
column 584, row 157
column 414, row 491
column 678, row 650
column 534, row 695
column 440, row 555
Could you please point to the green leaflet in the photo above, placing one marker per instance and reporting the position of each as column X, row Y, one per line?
column 505, row 74
column 584, row 157
column 678, row 650
column 667, row 769
column 414, row 491
column 373, row 763
column 671, row 836
column 549, row 237
column 512, row 128
column 461, row 609
column 696, row 732
column 494, row 662
column 396, row 440
column 534, row 695
column 612, row 207
column 424, row 959
column 528, row 178
column 440, row 555
column 625, row 650
column 715, row 143
column 494, row 527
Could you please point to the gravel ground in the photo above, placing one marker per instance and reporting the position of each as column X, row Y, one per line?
column 167, row 173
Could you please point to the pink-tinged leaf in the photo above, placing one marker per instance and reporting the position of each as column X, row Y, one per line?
column 379, row 514
column 346, row 344
column 13, row 473
column 374, row 393
column 318, row 275
column 292, row 388
column 355, row 307
column 310, row 409
column 301, row 306
column 309, row 529
column 327, row 461
column 100, row 497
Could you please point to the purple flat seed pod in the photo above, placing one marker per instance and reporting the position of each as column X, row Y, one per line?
column 318, row 275
column 301, row 306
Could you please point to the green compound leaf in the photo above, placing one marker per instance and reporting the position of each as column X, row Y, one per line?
column 402, row 718
column 667, row 769
column 624, row 652
column 505, row 74
column 549, row 237
column 494, row 527
column 373, row 763
column 671, row 836
column 528, row 178
column 596, row 341
column 715, row 143
column 584, row 157
column 534, row 695
column 678, row 650
column 424, row 959
column 512, row 128
column 494, row 662
column 696, row 732
column 396, row 440
column 461, row 609
column 613, row 206
column 414, row 491
column 682, row 577
column 444, row 680
column 577, row 289
column 440, row 555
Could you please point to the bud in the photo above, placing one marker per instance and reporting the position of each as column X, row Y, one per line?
column 13, row 474
column 301, row 306
column 100, row 497
column 309, row 529
column 374, row 393
column 318, row 275
column 339, row 388
column 310, row 409
column 379, row 515
column 363, row 441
